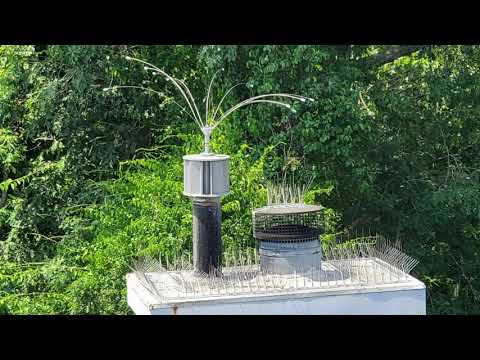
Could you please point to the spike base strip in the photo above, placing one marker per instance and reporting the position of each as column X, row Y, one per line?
column 168, row 286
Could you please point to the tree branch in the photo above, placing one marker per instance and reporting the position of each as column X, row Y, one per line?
column 41, row 51
column 3, row 197
column 391, row 54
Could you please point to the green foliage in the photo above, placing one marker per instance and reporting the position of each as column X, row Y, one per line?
column 75, row 134
column 11, row 150
column 143, row 213
column 89, row 180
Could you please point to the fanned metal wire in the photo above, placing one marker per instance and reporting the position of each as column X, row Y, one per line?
column 363, row 261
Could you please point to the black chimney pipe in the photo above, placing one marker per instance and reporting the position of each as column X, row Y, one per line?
column 207, row 242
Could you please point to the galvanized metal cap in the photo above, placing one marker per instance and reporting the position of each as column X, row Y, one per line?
column 206, row 157
column 206, row 175
column 281, row 209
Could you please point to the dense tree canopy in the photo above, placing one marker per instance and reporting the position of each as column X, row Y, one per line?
column 91, row 179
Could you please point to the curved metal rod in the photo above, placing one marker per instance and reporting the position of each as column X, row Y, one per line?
column 151, row 90
column 174, row 81
column 184, row 91
column 177, row 82
column 193, row 100
column 188, row 97
column 250, row 101
column 223, row 98
column 208, row 95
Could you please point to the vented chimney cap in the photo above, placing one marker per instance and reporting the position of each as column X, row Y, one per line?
column 206, row 175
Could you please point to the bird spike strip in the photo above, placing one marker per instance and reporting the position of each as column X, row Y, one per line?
column 365, row 261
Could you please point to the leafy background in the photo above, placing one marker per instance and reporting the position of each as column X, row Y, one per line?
column 91, row 180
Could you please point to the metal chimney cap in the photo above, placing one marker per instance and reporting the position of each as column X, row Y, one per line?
column 206, row 175
column 279, row 209
column 206, row 157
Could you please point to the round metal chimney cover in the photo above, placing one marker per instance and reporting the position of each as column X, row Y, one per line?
column 280, row 209
column 206, row 157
